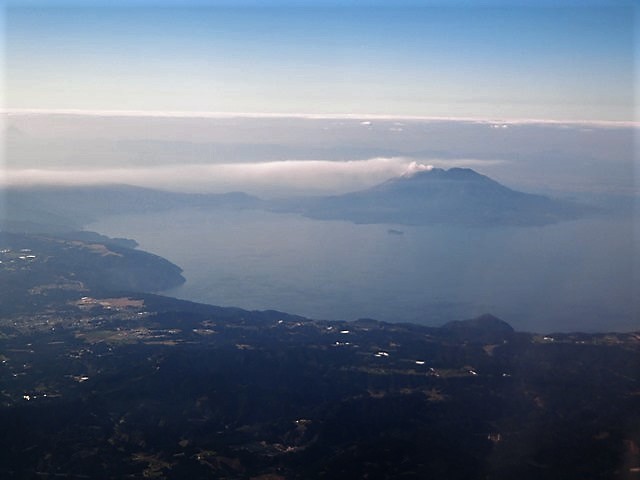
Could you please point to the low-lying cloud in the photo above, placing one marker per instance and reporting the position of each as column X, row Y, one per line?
column 364, row 118
column 415, row 167
column 261, row 178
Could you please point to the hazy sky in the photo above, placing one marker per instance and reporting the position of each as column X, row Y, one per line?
column 574, row 60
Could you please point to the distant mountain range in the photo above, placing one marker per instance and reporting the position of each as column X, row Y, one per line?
column 60, row 209
column 458, row 196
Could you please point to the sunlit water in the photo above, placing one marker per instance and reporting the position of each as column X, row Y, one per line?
column 570, row 276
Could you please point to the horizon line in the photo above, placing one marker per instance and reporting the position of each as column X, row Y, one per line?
column 314, row 116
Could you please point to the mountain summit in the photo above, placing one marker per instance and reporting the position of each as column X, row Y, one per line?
column 483, row 329
column 458, row 177
column 459, row 196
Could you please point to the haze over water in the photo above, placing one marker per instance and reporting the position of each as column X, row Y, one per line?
column 571, row 276
column 579, row 275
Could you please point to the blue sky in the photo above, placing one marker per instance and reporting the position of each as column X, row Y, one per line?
column 501, row 59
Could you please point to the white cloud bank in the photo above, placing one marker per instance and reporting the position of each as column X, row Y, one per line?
column 364, row 118
column 261, row 178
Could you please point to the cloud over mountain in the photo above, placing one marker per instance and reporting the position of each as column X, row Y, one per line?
column 274, row 178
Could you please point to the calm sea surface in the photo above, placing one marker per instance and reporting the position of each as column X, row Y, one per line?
column 572, row 276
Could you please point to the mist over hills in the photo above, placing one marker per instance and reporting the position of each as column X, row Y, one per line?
column 458, row 196
column 60, row 208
